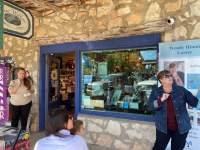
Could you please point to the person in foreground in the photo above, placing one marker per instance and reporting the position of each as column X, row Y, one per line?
column 61, row 139
column 171, row 116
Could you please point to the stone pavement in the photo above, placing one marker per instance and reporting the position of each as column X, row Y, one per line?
column 37, row 135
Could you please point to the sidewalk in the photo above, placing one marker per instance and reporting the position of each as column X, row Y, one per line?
column 37, row 135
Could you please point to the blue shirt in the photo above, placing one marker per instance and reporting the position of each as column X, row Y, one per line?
column 64, row 142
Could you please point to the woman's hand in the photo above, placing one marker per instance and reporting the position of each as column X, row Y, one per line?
column 164, row 97
column 14, row 86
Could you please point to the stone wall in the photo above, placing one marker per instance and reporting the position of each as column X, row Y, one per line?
column 100, row 19
column 118, row 134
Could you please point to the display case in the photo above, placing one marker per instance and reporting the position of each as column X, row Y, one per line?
column 118, row 80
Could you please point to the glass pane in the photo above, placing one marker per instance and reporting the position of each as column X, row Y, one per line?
column 118, row 80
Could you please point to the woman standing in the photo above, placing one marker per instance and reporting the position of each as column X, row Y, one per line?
column 171, row 116
column 21, row 91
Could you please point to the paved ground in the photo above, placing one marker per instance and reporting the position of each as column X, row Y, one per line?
column 37, row 135
column 34, row 137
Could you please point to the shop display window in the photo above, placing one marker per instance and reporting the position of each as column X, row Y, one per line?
column 118, row 80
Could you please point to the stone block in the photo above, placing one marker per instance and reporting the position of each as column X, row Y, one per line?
column 119, row 145
column 103, row 10
column 117, row 22
column 134, row 19
column 114, row 128
column 94, row 128
column 90, row 2
column 196, row 31
column 194, row 8
column 105, row 2
column 92, row 12
column 153, row 12
column 105, row 140
column 123, row 11
column 173, row 6
column 125, row 1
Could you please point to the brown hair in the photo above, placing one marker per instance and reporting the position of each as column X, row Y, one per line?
column 76, row 126
column 26, row 81
column 57, row 122
column 162, row 73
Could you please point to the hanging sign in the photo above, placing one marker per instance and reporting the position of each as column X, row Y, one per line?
column 1, row 24
column 4, row 107
column 17, row 21
column 185, row 56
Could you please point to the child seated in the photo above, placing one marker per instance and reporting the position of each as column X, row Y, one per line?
column 78, row 127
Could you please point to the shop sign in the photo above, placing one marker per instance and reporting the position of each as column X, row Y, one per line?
column 17, row 21
column 4, row 109
column 1, row 24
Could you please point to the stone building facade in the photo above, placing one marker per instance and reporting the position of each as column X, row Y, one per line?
column 99, row 19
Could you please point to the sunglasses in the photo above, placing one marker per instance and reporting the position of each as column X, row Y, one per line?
column 168, row 76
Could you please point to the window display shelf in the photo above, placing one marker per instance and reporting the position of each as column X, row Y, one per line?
column 120, row 81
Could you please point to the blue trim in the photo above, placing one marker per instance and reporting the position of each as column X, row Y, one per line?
column 42, row 92
column 121, row 115
column 78, row 74
column 150, row 40
column 116, row 43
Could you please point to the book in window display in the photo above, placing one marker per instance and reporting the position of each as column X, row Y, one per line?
column 134, row 105
column 95, row 88
column 126, row 101
column 87, row 102
column 87, row 79
column 98, row 103
column 102, row 68
column 116, row 96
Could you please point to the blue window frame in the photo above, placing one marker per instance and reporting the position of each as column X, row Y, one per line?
column 150, row 40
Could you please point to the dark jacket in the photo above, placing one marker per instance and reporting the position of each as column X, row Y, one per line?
column 180, row 96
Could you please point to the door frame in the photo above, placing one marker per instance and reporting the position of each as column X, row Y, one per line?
column 43, row 99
